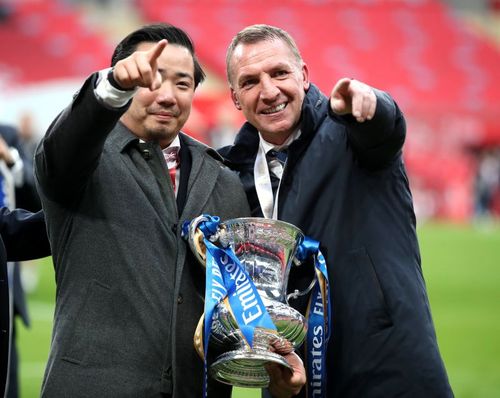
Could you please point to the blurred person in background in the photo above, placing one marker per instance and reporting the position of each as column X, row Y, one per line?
column 226, row 124
column 341, row 179
column 11, row 165
column 26, row 194
column 5, row 10
column 129, row 291
column 12, row 177
column 487, row 183
column 28, row 134
column 22, row 237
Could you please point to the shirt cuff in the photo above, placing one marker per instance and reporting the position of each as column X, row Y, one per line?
column 109, row 95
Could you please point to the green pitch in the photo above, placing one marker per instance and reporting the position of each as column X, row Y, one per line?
column 462, row 270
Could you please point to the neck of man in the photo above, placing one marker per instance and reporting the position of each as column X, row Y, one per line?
column 280, row 140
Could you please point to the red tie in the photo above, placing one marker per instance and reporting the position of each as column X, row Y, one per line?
column 173, row 172
column 172, row 158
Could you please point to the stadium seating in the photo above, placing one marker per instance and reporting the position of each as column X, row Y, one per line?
column 45, row 40
column 441, row 72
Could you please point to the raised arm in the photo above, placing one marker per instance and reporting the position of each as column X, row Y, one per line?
column 70, row 151
column 376, row 126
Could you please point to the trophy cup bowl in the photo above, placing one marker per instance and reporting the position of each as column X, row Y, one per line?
column 266, row 248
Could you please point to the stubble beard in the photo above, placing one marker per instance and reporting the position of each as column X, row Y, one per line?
column 161, row 134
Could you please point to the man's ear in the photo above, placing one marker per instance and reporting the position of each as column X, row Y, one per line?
column 235, row 100
column 305, row 76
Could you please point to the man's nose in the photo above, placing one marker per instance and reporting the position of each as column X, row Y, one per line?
column 166, row 93
column 269, row 90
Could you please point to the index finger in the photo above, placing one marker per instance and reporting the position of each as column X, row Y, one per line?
column 341, row 86
column 156, row 50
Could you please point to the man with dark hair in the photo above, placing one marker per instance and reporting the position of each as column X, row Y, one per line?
column 22, row 237
column 115, row 194
column 334, row 168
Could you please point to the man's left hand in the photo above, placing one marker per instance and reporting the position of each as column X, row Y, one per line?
column 351, row 96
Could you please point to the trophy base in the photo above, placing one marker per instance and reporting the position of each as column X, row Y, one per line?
column 245, row 368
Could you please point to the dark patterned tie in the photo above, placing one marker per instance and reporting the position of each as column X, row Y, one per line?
column 276, row 162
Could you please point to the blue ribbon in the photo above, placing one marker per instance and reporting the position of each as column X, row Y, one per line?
column 318, row 319
column 244, row 300
column 227, row 278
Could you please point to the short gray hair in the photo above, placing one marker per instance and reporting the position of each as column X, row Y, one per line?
column 257, row 33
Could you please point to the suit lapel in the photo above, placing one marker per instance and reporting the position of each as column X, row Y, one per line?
column 185, row 172
column 202, row 179
column 148, row 168
column 151, row 174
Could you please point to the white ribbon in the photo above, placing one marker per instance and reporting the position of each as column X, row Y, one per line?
column 263, row 185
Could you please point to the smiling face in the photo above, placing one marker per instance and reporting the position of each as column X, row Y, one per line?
column 268, row 85
column 160, row 114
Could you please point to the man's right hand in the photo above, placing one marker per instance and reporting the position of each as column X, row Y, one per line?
column 140, row 69
column 283, row 383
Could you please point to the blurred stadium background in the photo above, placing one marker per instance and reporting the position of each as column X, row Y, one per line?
column 439, row 59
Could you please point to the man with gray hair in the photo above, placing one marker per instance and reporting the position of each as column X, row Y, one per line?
column 334, row 168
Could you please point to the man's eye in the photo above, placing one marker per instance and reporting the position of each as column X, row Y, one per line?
column 248, row 83
column 281, row 73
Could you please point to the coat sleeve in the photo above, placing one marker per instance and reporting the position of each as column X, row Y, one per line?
column 23, row 234
column 377, row 142
column 71, row 148
column 242, row 201
column 236, row 204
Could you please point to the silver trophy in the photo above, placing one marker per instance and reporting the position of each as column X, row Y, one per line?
column 266, row 248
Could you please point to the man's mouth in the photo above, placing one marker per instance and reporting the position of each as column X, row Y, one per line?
column 275, row 109
column 164, row 114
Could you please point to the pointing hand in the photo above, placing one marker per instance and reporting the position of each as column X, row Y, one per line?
column 140, row 69
column 351, row 96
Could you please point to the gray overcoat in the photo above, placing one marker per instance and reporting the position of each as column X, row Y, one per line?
column 129, row 292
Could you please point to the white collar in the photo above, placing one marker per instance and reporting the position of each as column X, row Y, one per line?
column 174, row 146
column 262, row 179
column 267, row 146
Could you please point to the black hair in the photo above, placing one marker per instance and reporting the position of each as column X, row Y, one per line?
column 154, row 33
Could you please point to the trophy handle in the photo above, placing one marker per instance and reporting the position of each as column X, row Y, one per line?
column 198, row 337
column 297, row 293
column 195, row 239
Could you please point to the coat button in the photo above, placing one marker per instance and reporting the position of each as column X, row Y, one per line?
column 174, row 228
column 167, row 373
column 180, row 299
